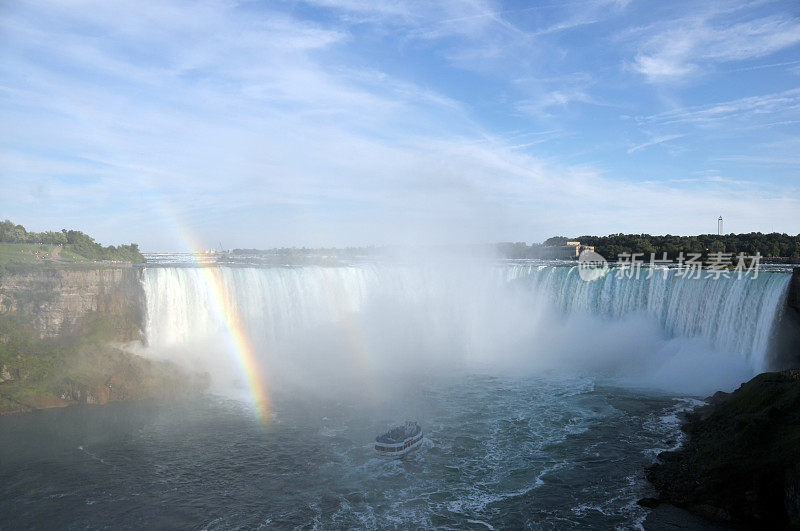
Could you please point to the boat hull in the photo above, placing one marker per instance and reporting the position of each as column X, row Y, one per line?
column 399, row 451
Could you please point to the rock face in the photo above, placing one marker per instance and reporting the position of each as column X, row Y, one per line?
column 61, row 298
column 793, row 298
column 742, row 462
column 785, row 345
column 57, row 325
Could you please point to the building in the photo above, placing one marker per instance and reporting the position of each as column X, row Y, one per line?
column 719, row 226
column 568, row 251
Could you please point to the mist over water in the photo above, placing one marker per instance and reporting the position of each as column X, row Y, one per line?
column 365, row 328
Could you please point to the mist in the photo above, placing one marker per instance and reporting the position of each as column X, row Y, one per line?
column 370, row 331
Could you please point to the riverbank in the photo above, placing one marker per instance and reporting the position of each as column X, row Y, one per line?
column 742, row 462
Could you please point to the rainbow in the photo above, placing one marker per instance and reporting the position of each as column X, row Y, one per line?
column 248, row 362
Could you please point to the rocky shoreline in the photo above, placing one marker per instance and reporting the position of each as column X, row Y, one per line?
column 741, row 465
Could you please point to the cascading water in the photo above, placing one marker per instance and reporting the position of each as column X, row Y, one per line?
column 410, row 316
column 271, row 302
column 733, row 314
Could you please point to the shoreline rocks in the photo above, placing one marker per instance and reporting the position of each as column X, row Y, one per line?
column 741, row 464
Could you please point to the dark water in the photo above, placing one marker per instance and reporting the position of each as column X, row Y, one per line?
column 499, row 453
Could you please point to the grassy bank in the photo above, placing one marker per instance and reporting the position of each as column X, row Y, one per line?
column 18, row 245
column 43, row 253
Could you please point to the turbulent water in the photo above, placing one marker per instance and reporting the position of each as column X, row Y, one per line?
column 498, row 452
column 542, row 398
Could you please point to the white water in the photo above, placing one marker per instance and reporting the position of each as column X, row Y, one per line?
column 736, row 315
column 325, row 326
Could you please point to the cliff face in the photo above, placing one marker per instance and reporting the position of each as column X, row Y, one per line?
column 794, row 290
column 56, row 330
column 61, row 299
column 785, row 345
column 96, row 374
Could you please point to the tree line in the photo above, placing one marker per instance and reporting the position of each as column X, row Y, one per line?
column 74, row 241
column 772, row 245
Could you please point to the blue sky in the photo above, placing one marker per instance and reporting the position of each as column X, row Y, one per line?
column 348, row 122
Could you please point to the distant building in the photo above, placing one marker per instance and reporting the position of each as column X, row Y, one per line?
column 719, row 226
column 568, row 251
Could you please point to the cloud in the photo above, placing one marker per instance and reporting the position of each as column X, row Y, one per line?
column 556, row 100
column 260, row 128
column 782, row 104
column 692, row 45
column 653, row 142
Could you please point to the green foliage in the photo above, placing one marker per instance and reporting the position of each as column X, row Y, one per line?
column 75, row 246
column 772, row 245
column 23, row 253
column 556, row 240
column 22, row 352
column 41, row 362
column 59, row 371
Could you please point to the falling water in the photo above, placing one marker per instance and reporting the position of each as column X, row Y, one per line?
column 732, row 315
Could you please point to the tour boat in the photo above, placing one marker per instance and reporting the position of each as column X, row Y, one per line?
column 399, row 441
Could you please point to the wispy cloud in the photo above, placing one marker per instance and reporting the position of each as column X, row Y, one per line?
column 653, row 142
column 694, row 44
column 557, row 100
column 365, row 123
column 783, row 104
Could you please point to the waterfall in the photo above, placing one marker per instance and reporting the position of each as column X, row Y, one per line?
column 733, row 314
column 272, row 302
column 396, row 309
